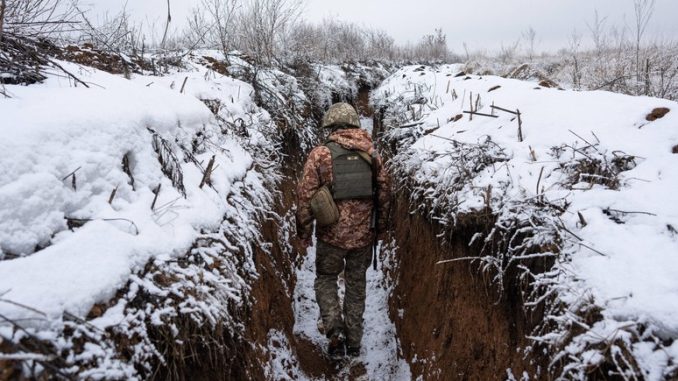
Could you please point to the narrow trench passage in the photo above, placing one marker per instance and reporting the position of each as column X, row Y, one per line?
column 381, row 357
column 422, row 321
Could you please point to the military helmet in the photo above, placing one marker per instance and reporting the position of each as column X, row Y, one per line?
column 341, row 114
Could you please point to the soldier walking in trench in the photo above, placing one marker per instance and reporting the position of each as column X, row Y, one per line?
column 346, row 190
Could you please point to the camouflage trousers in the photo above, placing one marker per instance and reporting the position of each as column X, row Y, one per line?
column 330, row 262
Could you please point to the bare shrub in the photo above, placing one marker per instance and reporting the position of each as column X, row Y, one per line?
column 262, row 25
column 223, row 16
column 37, row 18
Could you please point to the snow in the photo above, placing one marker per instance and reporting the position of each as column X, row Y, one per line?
column 283, row 365
column 380, row 348
column 57, row 128
column 626, row 261
column 51, row 276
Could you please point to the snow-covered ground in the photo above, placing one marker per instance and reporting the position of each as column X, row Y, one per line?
column 380, row 354
column 55, row 128
column 104, row 188
column 592, row 184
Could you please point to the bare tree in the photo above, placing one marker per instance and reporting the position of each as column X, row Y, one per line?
column 530, row 36
column 434, row 46
column 3, row 5
column 222, row 15
column 167, row 24
column 508, row 52
column 261, row 25
column 643, row 10
column 33, row 18
column 575, row 44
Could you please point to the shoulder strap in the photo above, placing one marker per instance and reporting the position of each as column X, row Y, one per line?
column 337, row 150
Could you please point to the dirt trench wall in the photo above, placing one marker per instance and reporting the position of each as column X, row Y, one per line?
column 452, row 325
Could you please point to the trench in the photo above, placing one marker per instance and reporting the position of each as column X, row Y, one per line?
column 440, row 322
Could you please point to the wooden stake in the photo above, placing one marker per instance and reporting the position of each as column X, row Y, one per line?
column 157, row 192
column 503, row 109
column 208, row 173
column 520, row 126
column 539, row 180
column 480, row 113
column 73, row 178
column 183, row 85
column 110, row 199
column 470, row 114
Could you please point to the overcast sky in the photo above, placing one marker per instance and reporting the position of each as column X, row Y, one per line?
column 482, row 24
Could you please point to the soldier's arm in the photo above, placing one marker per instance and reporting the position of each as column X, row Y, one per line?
column 308, row 185
column 384, row 182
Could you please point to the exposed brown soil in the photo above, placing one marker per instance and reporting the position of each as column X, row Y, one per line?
column 454, row 326
column 657, row 113
column 89, row 56
column 363, row 103
column 220, row 67
column 675, row 149
column 272, row 303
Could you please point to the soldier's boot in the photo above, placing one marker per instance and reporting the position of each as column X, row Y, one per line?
column 336, row 346
column 353, row 351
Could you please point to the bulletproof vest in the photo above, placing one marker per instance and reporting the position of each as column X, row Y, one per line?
column 352, row 173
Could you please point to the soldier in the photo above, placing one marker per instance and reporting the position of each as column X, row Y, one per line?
column 349, row 173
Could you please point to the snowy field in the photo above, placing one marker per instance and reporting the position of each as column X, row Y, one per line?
column 588, row 177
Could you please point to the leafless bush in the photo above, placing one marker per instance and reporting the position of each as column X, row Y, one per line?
column 618, row 59
column 262, row 26
column 116, row 33
column 222, row 16
column 37, row 18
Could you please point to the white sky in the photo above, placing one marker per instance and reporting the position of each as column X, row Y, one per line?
column 482, row 24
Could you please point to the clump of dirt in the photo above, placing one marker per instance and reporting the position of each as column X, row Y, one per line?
column 9, row 370
column 657, row 113
column 675, row 149
column 456, row 118
column 212, row 63
column 451, row 323
column 88, row 55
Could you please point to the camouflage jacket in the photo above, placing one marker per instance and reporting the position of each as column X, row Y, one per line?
column 352, row 231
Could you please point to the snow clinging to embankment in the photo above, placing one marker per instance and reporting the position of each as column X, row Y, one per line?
column 586, row 179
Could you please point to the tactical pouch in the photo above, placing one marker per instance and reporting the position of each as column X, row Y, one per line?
column 352, row 173
column 324, row 208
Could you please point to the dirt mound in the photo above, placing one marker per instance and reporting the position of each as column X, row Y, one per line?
column 657, row 113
